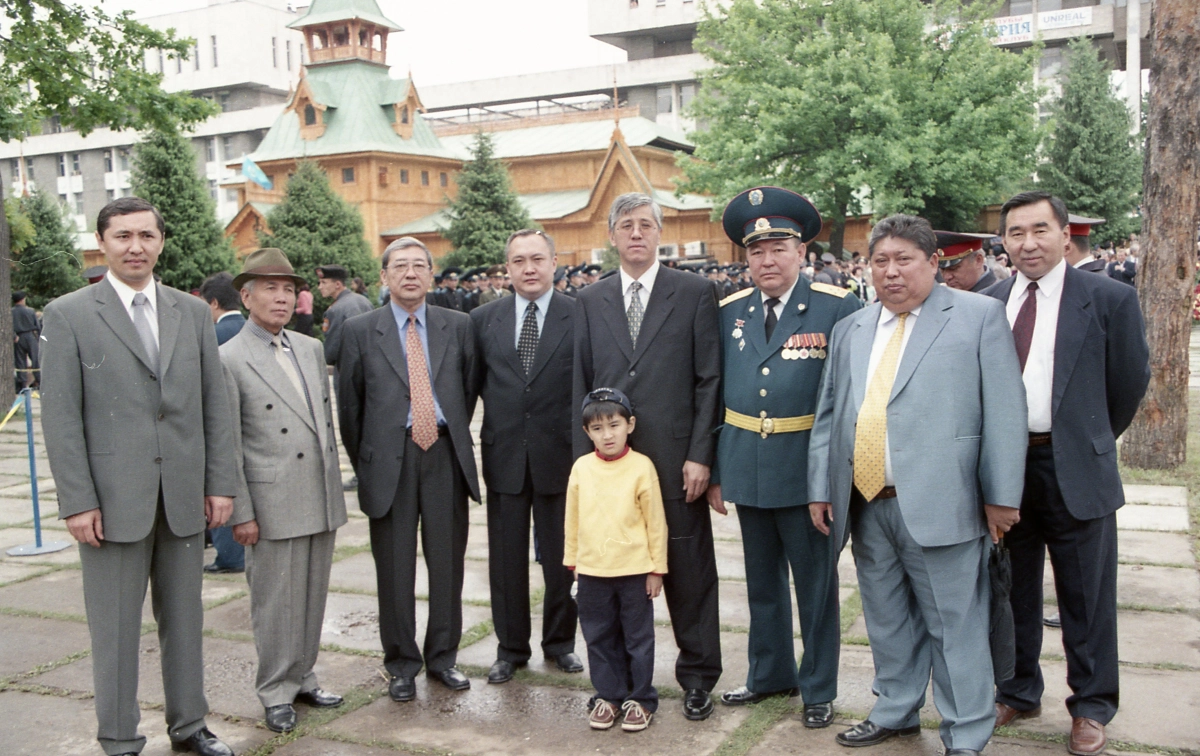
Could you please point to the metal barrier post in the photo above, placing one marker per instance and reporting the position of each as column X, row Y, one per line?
column 37, row 547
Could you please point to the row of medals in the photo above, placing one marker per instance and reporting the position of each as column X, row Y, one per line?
column 799, row 346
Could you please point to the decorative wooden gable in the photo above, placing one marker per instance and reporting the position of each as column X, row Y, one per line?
column 309, row 109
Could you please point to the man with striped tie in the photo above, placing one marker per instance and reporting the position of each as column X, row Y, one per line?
column 918, row 449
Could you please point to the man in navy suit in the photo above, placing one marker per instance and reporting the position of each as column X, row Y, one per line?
column 1085, row 364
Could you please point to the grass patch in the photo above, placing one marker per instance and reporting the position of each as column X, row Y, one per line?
column 42, row 669
column 12, row 611
column 31, row 576
column 315, row 719
column 347, row 551
column 337, row 649
column 851, row 610
column 475, row 634
column 226, row 635
column 763, row 716
column 225, row 600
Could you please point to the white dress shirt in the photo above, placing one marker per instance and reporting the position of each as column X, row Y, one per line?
column 783, row 300
column 542, row 302
column 127, row 293
column 647, row 282
column 1039, row 367
column 888, row 321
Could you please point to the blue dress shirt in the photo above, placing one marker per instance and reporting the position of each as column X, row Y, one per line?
column 523, row 304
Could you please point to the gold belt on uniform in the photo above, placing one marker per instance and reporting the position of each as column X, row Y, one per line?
column 765, row 426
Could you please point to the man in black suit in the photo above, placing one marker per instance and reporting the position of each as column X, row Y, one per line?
column 405, row 397
column 1122, row 268
column 523, row 347
column 1085, row 364
column 1079, row 254
column 653, row 333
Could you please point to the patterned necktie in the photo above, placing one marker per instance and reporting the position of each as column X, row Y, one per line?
column 527, row 344
column 289, row 369
column 772, row 320
column 1023, row 326
column 635, row 312
column 141, row 322
column 871, row 433
column 424, row 416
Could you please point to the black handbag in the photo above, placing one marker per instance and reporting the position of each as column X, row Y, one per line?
column 1002, row 632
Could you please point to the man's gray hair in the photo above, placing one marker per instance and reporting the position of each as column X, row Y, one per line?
column 627, row 203
column 528, row 232
column 911, row 228
column 402, row 243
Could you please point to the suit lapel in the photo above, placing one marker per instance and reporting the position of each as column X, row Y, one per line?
column 861, row 341
column 168, row 328
column 113, row 312
column 502, row 330
column 614, row 315
column 789, row 321
column 439, row 341
column 261, row 359
column 755, row 330
column 389, row 341
column 658, row 308
column 930, row 322
column 554, row 330
column 1074, row 316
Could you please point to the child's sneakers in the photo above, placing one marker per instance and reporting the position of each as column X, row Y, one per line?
column 604, row 715
column 636, row 717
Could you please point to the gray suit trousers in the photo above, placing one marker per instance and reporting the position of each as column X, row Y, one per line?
column 289, row 580
column 114, row 589
column 926, row 610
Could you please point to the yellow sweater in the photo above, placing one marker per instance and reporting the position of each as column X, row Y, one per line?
column 615, row 522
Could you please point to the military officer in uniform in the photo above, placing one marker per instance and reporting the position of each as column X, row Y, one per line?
column 962, row 262
column 774, row 341
column 1079, row 251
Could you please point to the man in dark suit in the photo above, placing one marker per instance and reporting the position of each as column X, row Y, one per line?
column 523, row 347
column 25, row 341
column 653, row 333
column 405, row 397
column 346, row 304
column 226, row 305
column 1085, row 364
column 140, row 440
column 1122, row 268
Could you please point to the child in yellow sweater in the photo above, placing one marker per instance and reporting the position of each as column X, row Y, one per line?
column 616, row 542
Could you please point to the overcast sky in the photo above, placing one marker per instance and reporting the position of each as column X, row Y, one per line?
column 461, row 40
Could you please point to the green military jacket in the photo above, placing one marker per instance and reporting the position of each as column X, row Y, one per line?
column 776, row 379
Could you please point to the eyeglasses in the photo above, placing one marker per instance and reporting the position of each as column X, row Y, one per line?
column 417, row 267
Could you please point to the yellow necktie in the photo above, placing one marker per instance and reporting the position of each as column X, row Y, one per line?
column 871, row 431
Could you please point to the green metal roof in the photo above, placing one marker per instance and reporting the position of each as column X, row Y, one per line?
column 329, row 11
column 355, row 120
column 544, row 206
column 686, row 202
column 571, row 137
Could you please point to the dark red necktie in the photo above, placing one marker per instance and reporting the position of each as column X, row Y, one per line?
column 1023, row 325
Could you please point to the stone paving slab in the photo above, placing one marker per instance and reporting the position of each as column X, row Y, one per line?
column 1172, row 496
column 356, row 532
column 791, row 737
column 1152, row 517
column 67, row 727
column 314, row 746
column 352, row 620
column 1170, row 587
column 1150, row 547
column 20, row 511
column 12, row 570
column 522, row 719
column 28, row 643
column 1146, row 638
column 62, row 592
column 357, row 573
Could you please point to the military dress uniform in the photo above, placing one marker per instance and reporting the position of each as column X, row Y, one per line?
column 770, row 389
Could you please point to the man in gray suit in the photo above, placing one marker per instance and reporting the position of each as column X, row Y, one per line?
column 928, row 374
column 290, row 502
column 405, row 397
column 137, row 429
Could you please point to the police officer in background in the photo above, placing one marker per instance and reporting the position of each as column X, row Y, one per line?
column 1079, row 252
column 962, row 262
column 774, row 339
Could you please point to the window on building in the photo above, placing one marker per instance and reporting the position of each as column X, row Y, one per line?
column 212, row 189
column 15, row 167
column 123, row 158
column 55, row 125
column 160, row 62
column 287, row 47
column 444, row 179
column 214, row 49
column 275, row 52
column 1020, row 7
column 223, row 101
column 341, row 36
column 196, row 56
column 62, row 165
column 227, row 146
column 29, row 168
column 110, row 195
column 178, row 64
column 403, row 175
column 210, row 150
column 383, row 176
column 687, row 92
column 1049, row 5
column 108, row 161
column 79, row 204
column 424, row 178
column 1051, row 64
column 231, row 195
column 666, row 100
column 75, row 169
column 347, row 175
column 404, row 114
column 310, row 115
column 62, row 200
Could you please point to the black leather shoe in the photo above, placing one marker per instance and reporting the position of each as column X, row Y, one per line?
column 452, row 678
column 819, row 715
column 568, row 663
column 743, row 695
column 214, row 569
column 203, row 742
column 402, row 689
column 961, row 752
column 697, row 704
column 501, row 672
column 868, row 734
column 281, row 718
column 322, row 699
column 1052, row 620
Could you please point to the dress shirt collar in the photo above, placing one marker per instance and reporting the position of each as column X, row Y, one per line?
column 266, row 336
column 1086, row 259
column 228, row 314
column 127, row 292
column 1049, row 284
column 542, row 302
column 401, row 316
column 886, row 316
column 783, row 298
column 647, row 279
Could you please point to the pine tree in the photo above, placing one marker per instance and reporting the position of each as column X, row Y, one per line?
column 49, row 266
column 1092, row 160
column 485, row 211
column 314, row 226
column 165, row 174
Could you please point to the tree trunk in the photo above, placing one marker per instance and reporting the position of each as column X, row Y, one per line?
column 837, row 234
column 7, row 388
column 1171, row 210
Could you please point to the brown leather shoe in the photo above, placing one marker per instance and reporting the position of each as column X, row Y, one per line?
column 1006, row 714
column 1087, row 737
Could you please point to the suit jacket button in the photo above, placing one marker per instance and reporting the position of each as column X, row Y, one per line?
column 300, row 455
column 527, row 415
column 270, row 406
column 158, row 460
column 153, row 377
column 284, row 430
column 632, row 373
column 528, row 389
column 161, row 416
column 762, row 392
column 766, row 371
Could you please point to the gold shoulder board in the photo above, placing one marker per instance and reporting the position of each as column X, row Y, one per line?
column 833, row 291
column 737, row 296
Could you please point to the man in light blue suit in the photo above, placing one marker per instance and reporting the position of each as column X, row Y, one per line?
column 918, row 450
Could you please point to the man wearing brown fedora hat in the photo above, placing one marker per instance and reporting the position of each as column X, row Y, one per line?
column 289, row 501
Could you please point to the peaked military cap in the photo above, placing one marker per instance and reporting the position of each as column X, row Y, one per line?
column 956, row 247
column 1081, row 226
column 769, row 212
